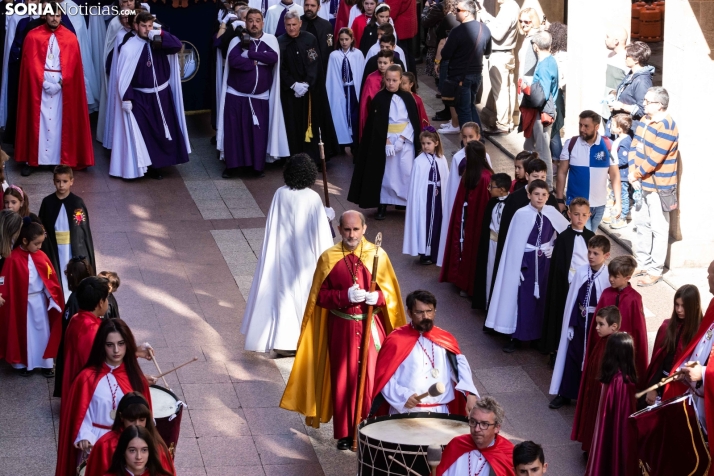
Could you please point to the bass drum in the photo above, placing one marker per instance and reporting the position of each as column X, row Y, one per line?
column 405, row 438
column 168, row 410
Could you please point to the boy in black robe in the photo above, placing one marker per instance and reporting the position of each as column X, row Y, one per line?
column 114, row 283
column 74, row 238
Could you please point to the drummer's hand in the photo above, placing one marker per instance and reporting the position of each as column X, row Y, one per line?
column 151, row 379
column 693, row 372
column 651, row 397
column 412, row 402
column 470, row 403
column 83, row 445
column 143, row 351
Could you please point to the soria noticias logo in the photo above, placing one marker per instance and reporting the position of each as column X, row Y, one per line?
column 44, row 9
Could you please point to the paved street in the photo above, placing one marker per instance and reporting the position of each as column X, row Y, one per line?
column 185, row 249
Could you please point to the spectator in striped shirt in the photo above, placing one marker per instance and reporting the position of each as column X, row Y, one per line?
column 653, row 167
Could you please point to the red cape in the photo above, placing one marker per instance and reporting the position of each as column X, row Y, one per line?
column 499, row 456
column 342, row 18
column 675, row 389
column 78, row 341
column 633, row 322
column 77, row 148
column 372, row 85
column 13, row 315
column 396, row 348
column 659, row 353
column 588, row 395
column 460, row 268
column 614, row 448
column 73, row 411
column 423, row 116
column 100, row 459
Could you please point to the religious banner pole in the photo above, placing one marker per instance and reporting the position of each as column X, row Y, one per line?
column 324, row 177
column 366, row 334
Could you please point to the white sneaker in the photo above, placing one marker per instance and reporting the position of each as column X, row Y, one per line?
column 449, row 129
column 446, row 124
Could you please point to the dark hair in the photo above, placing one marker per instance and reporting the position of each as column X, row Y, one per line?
column 689, row 294
column 536, row 184
column 622, row 266
column 10, row 227
column 54, row 6
column 623, row 121
column 253, row 11
column 435, row 138
column 388, row 38
column 422, row 296
column 17, row 192
column 588, row 114
column 559, row 34
column 619, row 356
column 78, row 268
column 611, row 314
column 386, row 54
column 386, row 28
column 639, row 51
column 535, row 165
column 153, row 465
column 300, row 172
column 501, row 180
column 29, row 231
column 91, row 291
column 599, row 241
column 113, row 278
column 347, row 31
column 526, row 155
column 143, row 17
column 527, row 452
column 133, row 406
column 98, row 353
column 412, row 79
column 476, row 163
column 579, row 202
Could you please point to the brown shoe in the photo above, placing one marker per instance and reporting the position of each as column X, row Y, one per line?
column 648, row 281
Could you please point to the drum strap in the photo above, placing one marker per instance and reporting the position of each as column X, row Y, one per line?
column 103, row 427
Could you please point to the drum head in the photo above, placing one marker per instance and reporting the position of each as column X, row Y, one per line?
column 163, row 401
column 421, row 429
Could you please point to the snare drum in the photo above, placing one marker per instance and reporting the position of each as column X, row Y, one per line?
column 167, row 410
column 405, row 437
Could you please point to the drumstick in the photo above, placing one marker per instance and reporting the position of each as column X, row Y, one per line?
column 434, row 391
column 433, row 457
column 663, row 382
column 409, row 470
column 176, row 368
column 153, row 358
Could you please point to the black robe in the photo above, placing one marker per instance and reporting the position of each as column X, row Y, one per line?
column 371, row 160
column 323, row 31
column 514, row 202
column 558, row 288
column 70, row 309
column 80, row 235
column 300, row 63
column 479, row 298
column 113, row 310
column 371, row 66
column 369, row 37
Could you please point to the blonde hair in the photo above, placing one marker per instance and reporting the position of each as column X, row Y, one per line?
column 535, row 18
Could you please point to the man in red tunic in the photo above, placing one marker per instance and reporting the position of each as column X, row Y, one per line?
column 483, row 451
column 52, row 120
column 326, row 369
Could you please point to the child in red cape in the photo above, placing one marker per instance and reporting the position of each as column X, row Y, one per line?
column 136, row 455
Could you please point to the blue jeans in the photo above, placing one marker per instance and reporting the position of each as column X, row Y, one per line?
column 625, row 197
column 465, row 102
column 596, row 214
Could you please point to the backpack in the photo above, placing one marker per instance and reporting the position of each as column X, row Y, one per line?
column 571, row 144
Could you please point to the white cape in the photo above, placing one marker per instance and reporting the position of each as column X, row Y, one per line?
column 105, row 120
column 581, row 276
column 336, row 92
column 297, row 232
column 415, row 238
column 272, row 16
column 354, row 13
column 130, row 157
column 91, row 81
column 258, row 5
column 277, row 138
column 97, row 32
column 503, row 308
column 10, row 28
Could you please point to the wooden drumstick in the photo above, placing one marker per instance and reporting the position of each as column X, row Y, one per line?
column 434, row 391
column 177, row 367
column 153, row 359
column 409, row 470
column 664, row 381
column 433, row 457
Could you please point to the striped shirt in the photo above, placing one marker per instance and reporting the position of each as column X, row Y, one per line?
column 653, row 154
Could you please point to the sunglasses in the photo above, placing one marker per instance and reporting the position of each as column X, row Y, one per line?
column 525, row 22
column 458, row 10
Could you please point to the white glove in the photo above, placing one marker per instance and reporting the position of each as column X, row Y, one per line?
column 389, row 150
column 126, row 106
column 355, row 294
column 51, row 88
column 153, row 33
column 330, row 213
column 371, row 298
column 400, row 144
column 236, row 23
column 221, row 15
column 229, row 17
column 303, row 89
column 548, row 252
column 571, row 333
column 244, row 54
column 300, row 89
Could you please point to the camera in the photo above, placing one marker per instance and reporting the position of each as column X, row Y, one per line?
column 242, row 33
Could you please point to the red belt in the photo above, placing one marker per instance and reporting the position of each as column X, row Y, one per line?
column 103, row 427
column 429, row 405
column 53, row 70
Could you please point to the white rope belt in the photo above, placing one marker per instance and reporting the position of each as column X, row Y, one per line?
column 156, row 89
column 263, row 96
column 153, row 90
column 543, row 247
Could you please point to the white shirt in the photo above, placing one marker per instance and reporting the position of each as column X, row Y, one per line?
column 580, row 256
column 105, row 399
column 701, row 354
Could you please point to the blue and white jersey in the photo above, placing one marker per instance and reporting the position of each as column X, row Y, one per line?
column 588, row 173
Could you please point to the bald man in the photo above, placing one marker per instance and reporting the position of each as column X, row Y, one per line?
column 615, row 41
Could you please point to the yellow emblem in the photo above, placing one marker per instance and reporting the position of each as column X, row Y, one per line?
column 49, row 271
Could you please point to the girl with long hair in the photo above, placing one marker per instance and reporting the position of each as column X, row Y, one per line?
column 344, row 78
column 409, row 83
column 15, row 199
column 10, row 226
column 136, row 455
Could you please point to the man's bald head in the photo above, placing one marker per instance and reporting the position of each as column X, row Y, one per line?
column 352, row 228
column 352, row 214
column 710, row 277
column 616, row 38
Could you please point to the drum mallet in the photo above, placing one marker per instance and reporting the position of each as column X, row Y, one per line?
column 433, row 457
column 434, row 391
column 153, row 359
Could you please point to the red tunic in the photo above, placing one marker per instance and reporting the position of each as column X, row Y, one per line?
column 72, row 414
column 459, row 267
column 345, row 340
column 358, row 26
column 100, row 459
column 423, row 116
column 404, row 16
column 372, row 85
column 77, row 150
column 78, row 341
column 342, row 18
column 13, row 315
column 589, row 395
column 499, row 456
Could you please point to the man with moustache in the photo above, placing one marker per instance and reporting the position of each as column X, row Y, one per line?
column 417, row 356
column 320, row 29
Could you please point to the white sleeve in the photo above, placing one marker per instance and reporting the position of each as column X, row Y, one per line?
column 85, row 431
column 466, row 381
column 564, row 154
column 396, row 395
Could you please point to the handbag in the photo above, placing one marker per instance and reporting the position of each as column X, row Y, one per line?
column 667, row 197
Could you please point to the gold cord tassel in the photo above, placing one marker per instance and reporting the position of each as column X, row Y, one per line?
column 308, row 132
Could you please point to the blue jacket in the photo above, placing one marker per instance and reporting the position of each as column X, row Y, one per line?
column 633, row 88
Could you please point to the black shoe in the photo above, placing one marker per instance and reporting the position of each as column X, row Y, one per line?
column 400, row 207
column 488, row 330
column 23, row 372
column 213, row 140
column 48, row 373
column 425, row 260
column 26, row 170
column 344, row 444
column 559, row 402
column 258, row 173
column 510, row 347
column 154, row 173
column 381, row 212
column 551, row 360
column 443, row 115
column 227, row 173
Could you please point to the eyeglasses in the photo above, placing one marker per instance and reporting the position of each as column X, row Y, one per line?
column 458, row 10
column 428, row 312
column 525, row 22
column 483, row 425
column 646, row 102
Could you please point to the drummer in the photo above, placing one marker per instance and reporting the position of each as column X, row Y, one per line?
column 133, row 410
column 111, row 372
column 483, row 451
column 417, row 356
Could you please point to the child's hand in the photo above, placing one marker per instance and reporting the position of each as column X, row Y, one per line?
column 151, row 379
column 144, row 351
column 2, row 301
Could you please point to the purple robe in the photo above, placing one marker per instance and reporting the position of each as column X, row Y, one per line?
column 244, row 142
column 531, row 309
column 570, row 385
column 434, row 210
column 162, row 151
column 280, row 27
